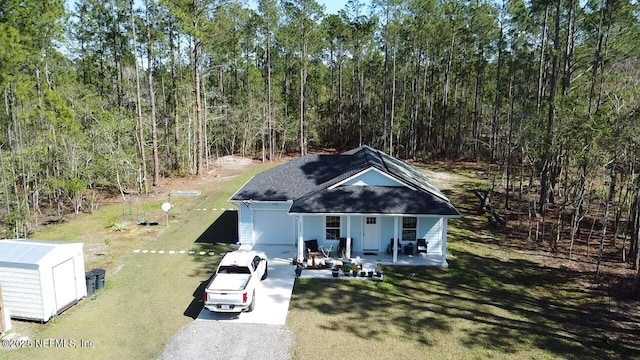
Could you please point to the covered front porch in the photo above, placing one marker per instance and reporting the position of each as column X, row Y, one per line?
column 284, row 253
column 403, row 239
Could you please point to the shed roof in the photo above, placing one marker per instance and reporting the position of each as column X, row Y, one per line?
column 23, row 251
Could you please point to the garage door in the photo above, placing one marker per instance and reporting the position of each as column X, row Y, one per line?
column 273, row 227
column 64, row 284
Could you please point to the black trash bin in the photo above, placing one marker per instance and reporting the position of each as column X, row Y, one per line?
column 99, row 274
column 90, row 279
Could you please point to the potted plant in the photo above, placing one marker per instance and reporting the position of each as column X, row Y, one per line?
column 363, row 273
column 346, row 269
column 298, row 270
column 355, row 271
column 379, row 271
column 335, row 271
column 328, row 262
column 370, row 273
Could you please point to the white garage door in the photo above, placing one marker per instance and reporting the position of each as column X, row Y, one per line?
column 273, row 227
column 64, row 284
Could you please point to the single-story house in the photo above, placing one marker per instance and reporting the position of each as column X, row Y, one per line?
column 363, row 195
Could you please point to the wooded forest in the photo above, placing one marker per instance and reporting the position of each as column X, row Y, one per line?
column 115, row 94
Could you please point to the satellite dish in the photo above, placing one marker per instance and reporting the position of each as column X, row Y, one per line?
column 166, row 206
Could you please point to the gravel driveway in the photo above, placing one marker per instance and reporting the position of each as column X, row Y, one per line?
column 230, row 340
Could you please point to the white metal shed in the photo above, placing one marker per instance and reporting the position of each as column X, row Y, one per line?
column 40, row 279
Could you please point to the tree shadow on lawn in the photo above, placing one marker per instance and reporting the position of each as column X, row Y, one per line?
column 512, row 305
column 520, row 301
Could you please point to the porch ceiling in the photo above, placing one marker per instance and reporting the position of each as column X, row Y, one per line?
column 373, row 200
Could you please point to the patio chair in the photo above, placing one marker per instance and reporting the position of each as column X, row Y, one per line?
column 421, row 246
column 342, row 247
column 390, row 247
column 312, row 247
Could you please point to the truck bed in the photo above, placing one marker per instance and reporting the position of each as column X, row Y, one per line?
column 229, row 282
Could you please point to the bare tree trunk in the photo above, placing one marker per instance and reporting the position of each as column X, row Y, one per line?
column 543, row 40
column 612, row 188
column 174, row 100
column 152, row 100
column 393, row 102
column 303, row 80
column 569, row 43
column 139, row 124
column 196, row 86
column 578, row 214
column 498, row 101
column 547, row 167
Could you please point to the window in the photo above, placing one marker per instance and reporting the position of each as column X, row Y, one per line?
column 332, row 226
column 409, row 228
column 371, row 221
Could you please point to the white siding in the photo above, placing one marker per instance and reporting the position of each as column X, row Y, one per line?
column 273, row 227
column 430, row 229
column 245, row 229
column 21, row 292
column 372, row 178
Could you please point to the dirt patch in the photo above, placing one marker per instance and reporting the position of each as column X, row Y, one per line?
column 232, row 162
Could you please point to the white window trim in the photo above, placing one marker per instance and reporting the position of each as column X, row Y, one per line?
column 339, row 227
column 402, row 228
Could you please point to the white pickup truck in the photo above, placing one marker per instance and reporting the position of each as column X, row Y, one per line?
column 233, row 286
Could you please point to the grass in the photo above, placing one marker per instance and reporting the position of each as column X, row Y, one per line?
column 148, row 297
column 492, row 302
column 481, row 307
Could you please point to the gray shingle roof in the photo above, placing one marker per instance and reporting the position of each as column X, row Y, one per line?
column 372, row 200
column 308, row 177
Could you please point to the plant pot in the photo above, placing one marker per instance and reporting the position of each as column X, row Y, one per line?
column 328, row 263
column 363, row 273
column 335, row 273
column 354, row 273
column 370, row 274
column 298, row 270
column 379, row 274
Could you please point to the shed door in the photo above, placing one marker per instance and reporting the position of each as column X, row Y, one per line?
column 64, row 284
column 273, row 227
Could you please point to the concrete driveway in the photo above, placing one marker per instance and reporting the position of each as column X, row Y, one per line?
column 273, row 294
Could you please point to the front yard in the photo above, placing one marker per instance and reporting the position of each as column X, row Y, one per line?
column 483, row 306
column 494, row 301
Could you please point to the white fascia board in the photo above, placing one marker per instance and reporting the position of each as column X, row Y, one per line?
column 241, row 187
column 262, row 201
column 374, row 214
column 371, row 168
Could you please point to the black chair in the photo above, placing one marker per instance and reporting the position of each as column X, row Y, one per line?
column 390, row 247
column 421, row 246
column 311, row 246
column 342, row 247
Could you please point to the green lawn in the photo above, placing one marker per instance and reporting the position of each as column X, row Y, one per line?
column 148, row 297
column 482, row 307
column 492, row 302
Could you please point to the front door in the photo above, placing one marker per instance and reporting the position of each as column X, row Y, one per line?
column 371, row 237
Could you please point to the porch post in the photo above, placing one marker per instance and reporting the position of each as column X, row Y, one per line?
column 444, row 242
column 395, row 241
column 300, row 238
column 348, row 236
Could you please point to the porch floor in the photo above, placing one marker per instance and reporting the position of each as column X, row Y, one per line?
column 368, row 262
